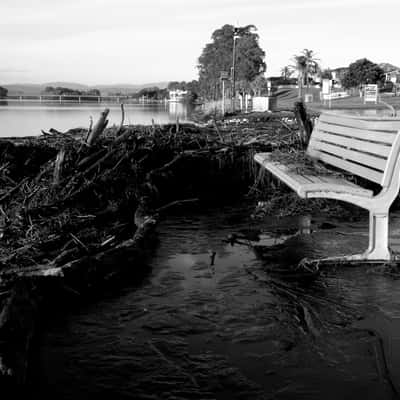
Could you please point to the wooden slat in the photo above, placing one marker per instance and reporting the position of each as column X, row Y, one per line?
column 363, row 134
column 393, row 159
column 290, row 172
column 337, row 179
column 348, row 166
column 312, row 178
column 368, row 147
column 278, row 170
column 304, row 184
column 352, row 155
column 369, row 123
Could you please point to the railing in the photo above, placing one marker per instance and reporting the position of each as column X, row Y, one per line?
column 65, row 98
column 80, row 99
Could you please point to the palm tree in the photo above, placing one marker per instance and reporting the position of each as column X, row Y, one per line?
column 312, row 64
column 300, row 65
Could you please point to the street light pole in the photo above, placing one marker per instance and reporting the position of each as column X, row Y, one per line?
column 235, row 36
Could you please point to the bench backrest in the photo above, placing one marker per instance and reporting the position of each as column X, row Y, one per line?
column 363, row 146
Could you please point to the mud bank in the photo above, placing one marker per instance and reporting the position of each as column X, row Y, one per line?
column 78, row 208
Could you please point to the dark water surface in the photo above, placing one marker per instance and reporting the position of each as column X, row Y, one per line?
column 229, row 331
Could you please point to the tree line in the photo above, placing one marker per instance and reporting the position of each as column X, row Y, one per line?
column 63, row 91
column 358, row 73
column 3, row 92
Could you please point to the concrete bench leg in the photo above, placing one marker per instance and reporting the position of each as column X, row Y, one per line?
column 378, row 248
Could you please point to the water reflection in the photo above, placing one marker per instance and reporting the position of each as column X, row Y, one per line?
column 27, row 119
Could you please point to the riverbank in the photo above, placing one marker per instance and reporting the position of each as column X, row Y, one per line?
column 79, row 208
column 76, row 208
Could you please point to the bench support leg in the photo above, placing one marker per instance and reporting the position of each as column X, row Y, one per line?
column 378, row 248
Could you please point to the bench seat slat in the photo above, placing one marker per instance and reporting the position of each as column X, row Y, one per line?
column 329, row 179
column 373, row 148
column 351, row 155
column 367, row 173
column 302, row 188
column 368, row 123
column 363, row 134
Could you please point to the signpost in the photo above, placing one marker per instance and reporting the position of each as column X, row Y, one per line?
column 326, row 90
column 371, row 93
column 224, row 77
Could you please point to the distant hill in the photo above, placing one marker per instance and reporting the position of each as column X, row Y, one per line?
column 28, row 89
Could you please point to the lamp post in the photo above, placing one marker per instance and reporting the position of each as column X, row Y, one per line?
column 235, row 36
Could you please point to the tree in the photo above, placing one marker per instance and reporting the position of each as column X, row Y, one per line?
column 286, row 72
column 312, row 66
column 175, row 85
column 93, row 92
column 361, row 72
column 326, row 73
column 259, row 85
column 300, row 66
column 3, row 92
column 217, row 56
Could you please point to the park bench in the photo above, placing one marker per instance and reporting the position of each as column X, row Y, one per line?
column 367, row 147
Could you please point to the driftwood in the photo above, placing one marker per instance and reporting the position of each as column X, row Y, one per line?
column 119, row 130
column 304, row 123
column 99, row 264
column 58, row 166
column 98, row 127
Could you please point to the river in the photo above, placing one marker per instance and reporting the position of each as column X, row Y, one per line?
column 28, row 119
column 193, row 330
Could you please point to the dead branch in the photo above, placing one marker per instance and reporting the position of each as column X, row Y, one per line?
column 58, row 166
column 99, row 127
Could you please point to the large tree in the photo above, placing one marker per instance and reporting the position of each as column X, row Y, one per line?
column 217, row 56
column 361, row 72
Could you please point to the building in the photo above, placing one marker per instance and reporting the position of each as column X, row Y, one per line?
column 178, row 95
column 393, row 76
column 338, row 74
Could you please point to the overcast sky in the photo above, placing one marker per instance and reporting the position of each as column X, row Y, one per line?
column 132, row 41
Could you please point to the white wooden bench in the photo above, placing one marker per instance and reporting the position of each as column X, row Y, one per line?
column 368, row 147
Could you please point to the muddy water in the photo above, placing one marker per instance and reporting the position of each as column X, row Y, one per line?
column 232, row 330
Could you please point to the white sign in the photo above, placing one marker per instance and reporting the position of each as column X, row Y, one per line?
column 326, row 86
column 262, row 103
column 371, row 93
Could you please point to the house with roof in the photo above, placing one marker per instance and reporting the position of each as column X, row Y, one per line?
column 338, row 74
